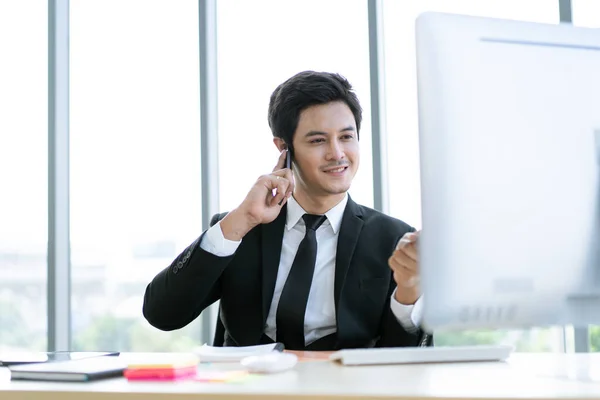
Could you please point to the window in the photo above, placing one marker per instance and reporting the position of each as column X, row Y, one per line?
column 261, row 45
column 401, row 90
column 586, row 13
column 404, row 185
column 135, row 164
column 24, row 174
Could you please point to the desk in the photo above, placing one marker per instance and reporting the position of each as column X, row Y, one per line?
column 523, row 377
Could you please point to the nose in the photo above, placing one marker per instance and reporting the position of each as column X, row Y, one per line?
column 336, row 151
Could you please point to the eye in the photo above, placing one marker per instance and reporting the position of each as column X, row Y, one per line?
column 348, row 136
column 318, row 140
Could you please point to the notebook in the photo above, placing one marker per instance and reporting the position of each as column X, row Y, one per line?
column 415, row 355
column 233, row 354
column 82, row 370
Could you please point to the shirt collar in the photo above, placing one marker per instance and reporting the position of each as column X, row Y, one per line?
column 334, row 215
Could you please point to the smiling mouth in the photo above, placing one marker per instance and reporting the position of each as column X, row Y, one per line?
column 337, row 170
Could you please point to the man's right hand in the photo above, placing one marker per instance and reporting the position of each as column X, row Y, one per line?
column 262, row 203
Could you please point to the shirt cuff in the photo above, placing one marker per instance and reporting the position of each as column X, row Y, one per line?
column 215, row 243
column 409, row 316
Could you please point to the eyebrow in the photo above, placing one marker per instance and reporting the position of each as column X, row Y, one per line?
column 317, row 133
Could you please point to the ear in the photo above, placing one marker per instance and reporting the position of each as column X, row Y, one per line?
column 279, row 143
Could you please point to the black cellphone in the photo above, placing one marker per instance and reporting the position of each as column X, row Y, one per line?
column 288, row 157
column 288, row 163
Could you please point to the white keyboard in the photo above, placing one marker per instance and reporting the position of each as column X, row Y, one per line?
column 416, row 355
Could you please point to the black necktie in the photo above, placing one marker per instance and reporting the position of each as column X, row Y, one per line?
column 294, row 296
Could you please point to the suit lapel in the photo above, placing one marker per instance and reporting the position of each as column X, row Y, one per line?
column 352, row 224
column 272, row 238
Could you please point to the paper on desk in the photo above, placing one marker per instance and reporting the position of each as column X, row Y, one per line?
column 223, row 376
column 231, row 354
column 4, row 374
column 161, row 360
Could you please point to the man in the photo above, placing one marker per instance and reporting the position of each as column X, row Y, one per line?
column 299, row 262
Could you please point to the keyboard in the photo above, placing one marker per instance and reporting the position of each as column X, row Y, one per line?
column 418, row 355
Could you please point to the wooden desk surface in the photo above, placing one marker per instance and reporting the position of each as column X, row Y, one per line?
column 522, row 377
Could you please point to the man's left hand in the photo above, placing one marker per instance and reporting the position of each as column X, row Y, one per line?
column 404, row 262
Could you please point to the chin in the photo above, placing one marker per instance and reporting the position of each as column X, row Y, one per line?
column 336, row 189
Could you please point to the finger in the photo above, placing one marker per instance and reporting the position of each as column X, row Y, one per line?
column 278, row 189
column 410, row 237
column 400, row 260
column 282, row 173
column 406, row 280
column 283, row 201
column 408, row 248
column 404, row 273
column 411, row 251
column 409, row 242
column 289, row 175
column 281, row 161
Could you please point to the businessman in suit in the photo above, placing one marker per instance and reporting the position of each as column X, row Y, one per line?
column 298, row 261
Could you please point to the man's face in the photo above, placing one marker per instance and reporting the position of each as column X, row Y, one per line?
column 326, row 151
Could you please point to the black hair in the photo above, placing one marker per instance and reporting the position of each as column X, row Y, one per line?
column 305, row 89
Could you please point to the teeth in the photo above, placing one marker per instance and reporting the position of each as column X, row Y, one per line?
column 337, row 169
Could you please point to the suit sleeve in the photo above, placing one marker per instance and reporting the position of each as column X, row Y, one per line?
column 180, row 292
column 393, row 334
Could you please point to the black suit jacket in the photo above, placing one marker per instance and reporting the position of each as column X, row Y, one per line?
column 245, row 281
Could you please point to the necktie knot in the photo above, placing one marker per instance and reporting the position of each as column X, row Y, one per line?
column 312, row 221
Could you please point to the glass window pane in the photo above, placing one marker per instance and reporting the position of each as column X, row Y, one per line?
column 260, row 46
column 135, row 164
column 403, row 164
column 401, row 90
column 24, row 174
column 586, row 13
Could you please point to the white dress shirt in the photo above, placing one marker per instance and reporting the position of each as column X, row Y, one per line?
column 319, row 320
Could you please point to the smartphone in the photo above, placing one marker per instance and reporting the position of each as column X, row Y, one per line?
column 288, row 163
column 288, row 157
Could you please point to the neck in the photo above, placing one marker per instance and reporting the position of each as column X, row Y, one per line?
column 317, row 204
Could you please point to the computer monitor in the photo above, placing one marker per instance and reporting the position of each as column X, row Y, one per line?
column 509, row 121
